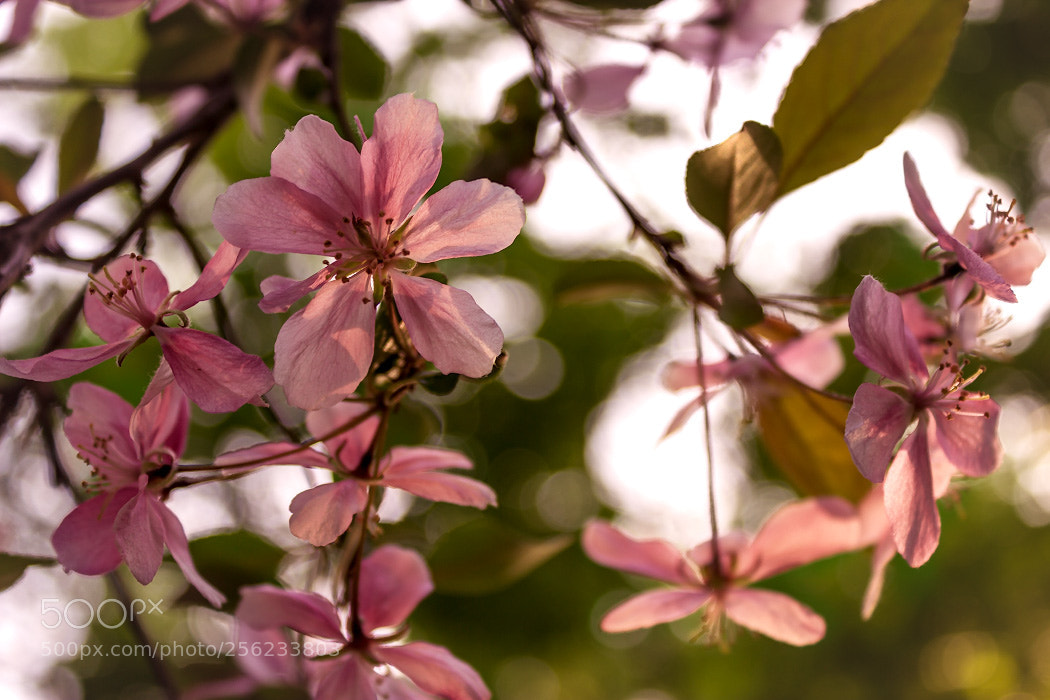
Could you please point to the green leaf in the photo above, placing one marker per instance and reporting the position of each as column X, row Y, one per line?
column 255, row 63
column 740, row 307
column 363, row 70
column 184, row 47
column 727, row 183
column 234, row 559
column 484, row 555
column 78, row 146
column 867, row 72
column 13, row 167
column 439, row 384
column 12, row 566
column 596, row 281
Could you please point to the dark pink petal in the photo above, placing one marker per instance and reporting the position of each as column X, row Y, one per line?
column 266, row 453
column 215, row 374
column 348, row 676
column 447, row 326
column 527, row 180
column 149, row 291
column 657, row 559
column 323, row 351
column 775, row 615
column 62, row 364
column 654, row 608
column 316, row 159
column 175, row 538
column 910, row 504
column 882, row 339
column 465, row 219
column 969, row 438
column 420, row 471
column 160, row 381
column 730, row 546
column 279, row 293
column 800, row 533
column 393, row 581
column 875, row 424
column 435, row 670
column 84, row 541
column 162, row 423
column 402, row 159
column 602, row 89
column 22, row 22
column 347, row 446
column 272, row 215
column 266, row 606
column 104, row 8
column 213, row 277
column 98, row 413
column 140, row 534
column 321, row 514
column 920, row 201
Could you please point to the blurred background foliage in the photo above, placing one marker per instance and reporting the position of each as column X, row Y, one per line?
column 516, row 597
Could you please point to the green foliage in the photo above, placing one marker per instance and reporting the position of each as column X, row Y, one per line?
column 740, row 307
column 12, row 566
column 234, row 559
column 867, row 72
column 78, row 146
column 185, row 48
column 362, row 69
column 13, row 167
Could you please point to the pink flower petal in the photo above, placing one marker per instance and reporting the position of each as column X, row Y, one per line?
column 393, row 581
column 435, row 670
column 346, row 446
column 969, row 438
column 104, row 8
column 213, row 277
column 266, row 453
column 323, row 351
column 321, row 514
column 909, row 497
column 885, row 550
column 401, row 160
column 419, row 470
column 99, row 413
column 602, row 89
column 447, row 326
column 266, row 606
column 883, row 341
column 272, row 215
column 653, row 608
column 84, row 541
column 775, row 615
column 316, row 159
column 140, row 534
column 875, row 424
column 653, row 558
column 465, row 219
column 62, row 364
column 215, row 374
column 279, row 293
column 22, row 22
column 348, row 676
column 162, row 423
column 150, row 289
column 1017, row 263
column 175, row 538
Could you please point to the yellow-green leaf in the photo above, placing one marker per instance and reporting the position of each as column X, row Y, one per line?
column 78, row 146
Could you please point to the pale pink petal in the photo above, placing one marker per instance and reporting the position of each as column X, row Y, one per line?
column 160, row 381
column 323, row 351
column 393, row 581
column 279, row 668
column 98, row 413
column 348, row 676
column 464, row 219
column 265, row 606
column 84, row 541
column 321, row 514
column 800, row 533
column 62, row 364
column 149, row 290
column 279, row 293
column 875, row 424
column 815, row 358
column 602, row 89
column 162, row 423
column 347, row 445
column 447, row 326
column 920, row 201
column 215, row 374
column 435, row 670
column 682, row 416
column 653, row 608
column 885, row 550
column 104, row 8
column 910, row 504
column 1017, row 262
column 682, row 374
column 163, row 8
column 402, row 159
column 398, row 688
column 316, row 159
column 214, row 276
column 267, row 453
column 419, row 470
column 755, row 22
column 175, row 538
column 775, row 615
column 657, row 559
column 969, row 438
column 140, row 534
column 882, row 339
column 272, row 215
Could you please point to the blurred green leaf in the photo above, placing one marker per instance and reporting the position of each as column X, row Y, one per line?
column 363, row 69
column 440, row 384
column 78, row 146
column 12, row 566
column 740, row 307
column 606, row 280
column 867, row 72
column 727, row 183
column 484, row 555
column 231, row 560
column 184, row 47
column 13, row 167
column 509, row 140
column 252, row 69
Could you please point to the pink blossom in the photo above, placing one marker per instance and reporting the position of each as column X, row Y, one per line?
column 960, row 422
column 797, row 534
column 325, row 198
column 1002, row 253
column 321, row 514
column 372, row 661
column 133, row 454
column 601, row 89
column 127, row 302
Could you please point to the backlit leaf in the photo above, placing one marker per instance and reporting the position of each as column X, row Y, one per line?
column 78, row 146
